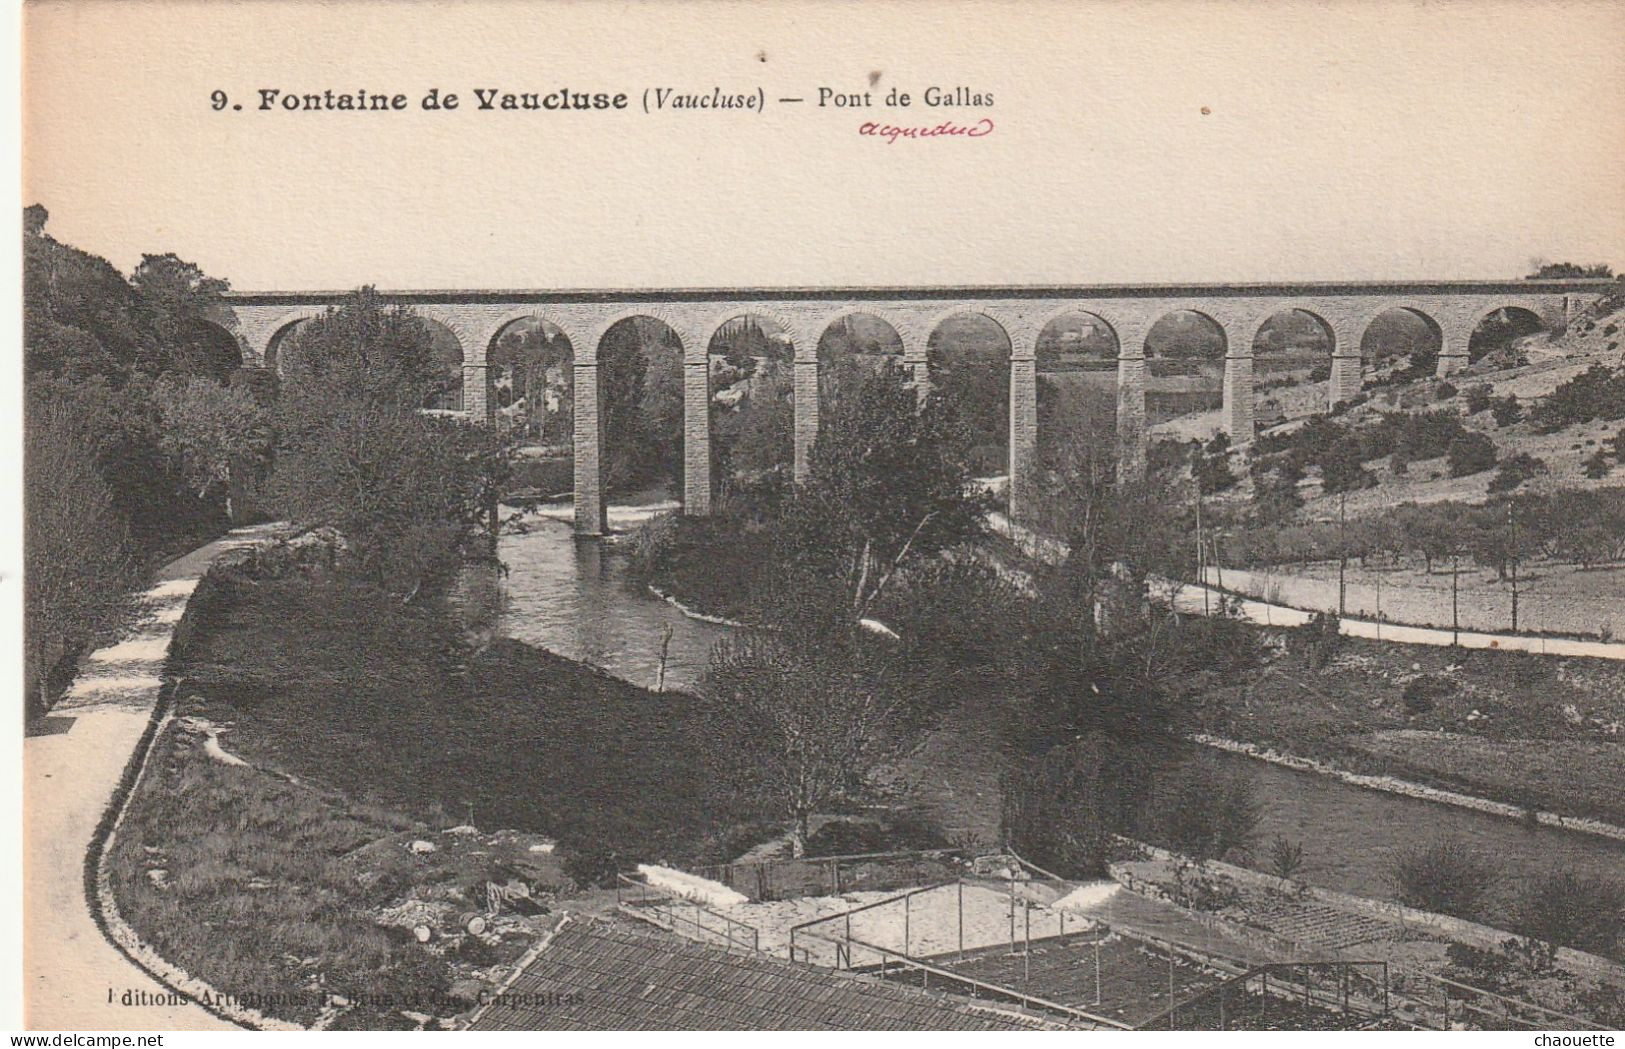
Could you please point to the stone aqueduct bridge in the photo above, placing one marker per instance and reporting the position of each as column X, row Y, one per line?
column 1452, row 309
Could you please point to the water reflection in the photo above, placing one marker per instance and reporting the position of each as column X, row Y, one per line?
column 574, row 598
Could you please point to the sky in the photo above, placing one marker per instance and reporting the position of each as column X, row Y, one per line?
column 1135, row 142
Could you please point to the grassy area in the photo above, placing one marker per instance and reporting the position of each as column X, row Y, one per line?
column 1526, row 729
column 368, row 738
column 337, row 684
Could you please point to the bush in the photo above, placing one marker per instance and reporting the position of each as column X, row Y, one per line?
column 1574, row 910
column 1319, row 639
column 1470, row 454
column 1205, row 811
column 1506, row 411
column 1596, row 393
column 1515, row 471
column 1446, row 877
column 1422, row 693
column 1061, row 809
column 1596, row 465
column 1479, row 398
column 1445, row 391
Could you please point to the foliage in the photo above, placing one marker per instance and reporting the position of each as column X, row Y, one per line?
column 888, row 485
column 1574, row 910
column 78, row 568
column 217, row 434
column 1447, row 876
column 1470, row 454
column 1212, row 467
column 1514, row 471
column 802, row 720
column 1570, row 270
column 1445, row 391
column 1318, row 639
column 355, row 452
column 1506, row 410
column 1062, row 808
column 1204, row 811
column 1596, row 465
column 1286, row 857
column 1596, row 393
column 1479, row 398
column 177, row 298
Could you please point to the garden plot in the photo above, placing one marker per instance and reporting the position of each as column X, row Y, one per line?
column 944, row 920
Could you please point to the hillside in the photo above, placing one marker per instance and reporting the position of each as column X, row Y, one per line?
column 1529, row 370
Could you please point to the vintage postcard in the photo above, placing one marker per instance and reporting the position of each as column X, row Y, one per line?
column 696, row 515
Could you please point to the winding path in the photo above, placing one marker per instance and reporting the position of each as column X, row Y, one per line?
column 73, row 762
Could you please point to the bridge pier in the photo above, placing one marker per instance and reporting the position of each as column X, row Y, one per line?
column 1023, row 496
column 696, row 436
column 1239, row 398
column 1346, row 378
column 805, row 421
column 1131, row 434
column 589, row 447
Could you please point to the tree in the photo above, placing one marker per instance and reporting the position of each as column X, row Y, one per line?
column 1570, row 270
column 889, row 483
column 804, row 719
column 177, row 298
column 78, row 570
column 1514, row 471
column 355, row 452
column 217, row 434
column 1470, row 454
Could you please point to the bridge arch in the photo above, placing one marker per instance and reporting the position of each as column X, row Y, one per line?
column 1490, row 330
column 749, row 401
column 1184, row 369
column 1401, row 341
column 1293, row 349
column 217, row 351
column 852, row 344
column 968, row 355
column 446, row 350
column 641, row 407
column 530, row 382
column 284, row 332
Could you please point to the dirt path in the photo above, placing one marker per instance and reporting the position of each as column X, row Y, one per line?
column 74, row 978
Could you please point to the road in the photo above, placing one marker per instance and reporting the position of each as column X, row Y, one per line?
column 74, row 977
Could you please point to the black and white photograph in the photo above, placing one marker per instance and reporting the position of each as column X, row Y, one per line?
column 705, row 516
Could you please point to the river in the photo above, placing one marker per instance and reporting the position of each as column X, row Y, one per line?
column 574, row 598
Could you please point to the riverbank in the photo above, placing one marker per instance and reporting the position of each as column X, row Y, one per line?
column 1538, row 733
column 330, row 780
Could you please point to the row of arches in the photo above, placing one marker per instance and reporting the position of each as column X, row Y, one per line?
column 644, row 404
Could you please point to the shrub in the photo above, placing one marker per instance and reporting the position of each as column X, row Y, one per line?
column 1286, row 857
column 1470, row 454
column 1506, row 410
column 1062, row 808
column 1479, row 398
column 1515, row 471
column 1596, row 465
column 1319, row 639
column 1422, row 693
column 1596, row 393
column 1576, row 910
column 1445, row 391
column 1446, row 877
column 1205, row 811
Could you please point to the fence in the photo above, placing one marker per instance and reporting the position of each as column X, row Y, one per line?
column 834, row 875
column 1292, row 995
column 687, row 918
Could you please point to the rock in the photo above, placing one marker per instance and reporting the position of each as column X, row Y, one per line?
column 462, row 828
column 466, row 990
column 546, row 846
column 159, row 877
column 421, row 847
